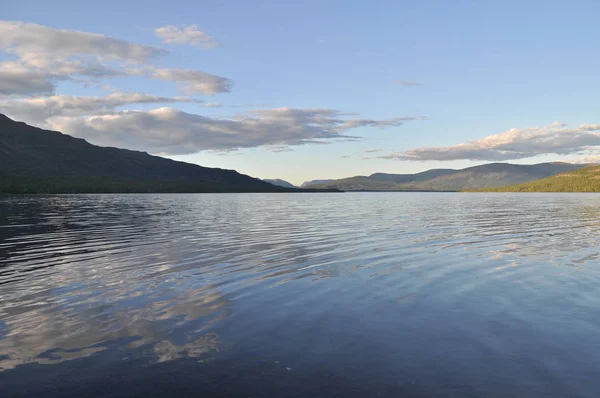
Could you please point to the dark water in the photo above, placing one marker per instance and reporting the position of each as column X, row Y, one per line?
column 371, row 294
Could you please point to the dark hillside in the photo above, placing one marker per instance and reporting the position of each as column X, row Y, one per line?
column 33, row 160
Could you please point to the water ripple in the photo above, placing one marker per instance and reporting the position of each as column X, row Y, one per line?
column 504, row 282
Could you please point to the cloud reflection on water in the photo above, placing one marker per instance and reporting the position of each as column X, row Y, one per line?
column 82, row 274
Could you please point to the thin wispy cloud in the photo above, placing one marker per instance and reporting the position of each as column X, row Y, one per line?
column 556, row 139
column 279, row 148
column 185, row 34
column 407, row 83
column 395, row 122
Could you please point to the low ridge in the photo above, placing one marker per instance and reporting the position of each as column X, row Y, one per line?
column 586, row 179
column 281, row 183
column 477, row 177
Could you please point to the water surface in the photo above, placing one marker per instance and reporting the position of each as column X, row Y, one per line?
column 261, row 295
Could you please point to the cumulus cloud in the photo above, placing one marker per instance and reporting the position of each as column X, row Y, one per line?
column 45, row 56
column 172, row 34
column 23, row 82
column 40, row 110
column 407, row 83
column 170, row 131
column 555, row 138
column 193, row 81
column 33, row 40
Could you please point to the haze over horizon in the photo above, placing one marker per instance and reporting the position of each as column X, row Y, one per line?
column 308, row 91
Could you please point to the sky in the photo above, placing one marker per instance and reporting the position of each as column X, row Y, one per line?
column 312, row 89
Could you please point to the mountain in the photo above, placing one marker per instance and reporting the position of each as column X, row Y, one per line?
column 383, row 181
column 280, row 183
column 586, row 179
column 314, row 182
column 477, row 177
column 402, row 178
column 33, row 160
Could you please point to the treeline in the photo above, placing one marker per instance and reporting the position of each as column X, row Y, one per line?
column 70, row 185
column 23, row 184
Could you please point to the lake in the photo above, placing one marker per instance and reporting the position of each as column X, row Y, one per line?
column 300, row 295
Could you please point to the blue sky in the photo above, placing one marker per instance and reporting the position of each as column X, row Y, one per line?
column 481, row 69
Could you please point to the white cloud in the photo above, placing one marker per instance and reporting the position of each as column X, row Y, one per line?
column 170, row 131
column 172, row 34
column 193, row 81
column 45, row 56
column 515, row 143
column 32, row 42
column 407, row 83
column 40, row 110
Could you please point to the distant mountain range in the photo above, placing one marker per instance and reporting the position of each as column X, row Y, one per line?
column 586, row 179
column 477, row 177
column 306, row 184
column 280, row 183
column 33, row 160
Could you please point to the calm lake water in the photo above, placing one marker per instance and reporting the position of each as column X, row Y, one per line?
column 284, row 295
